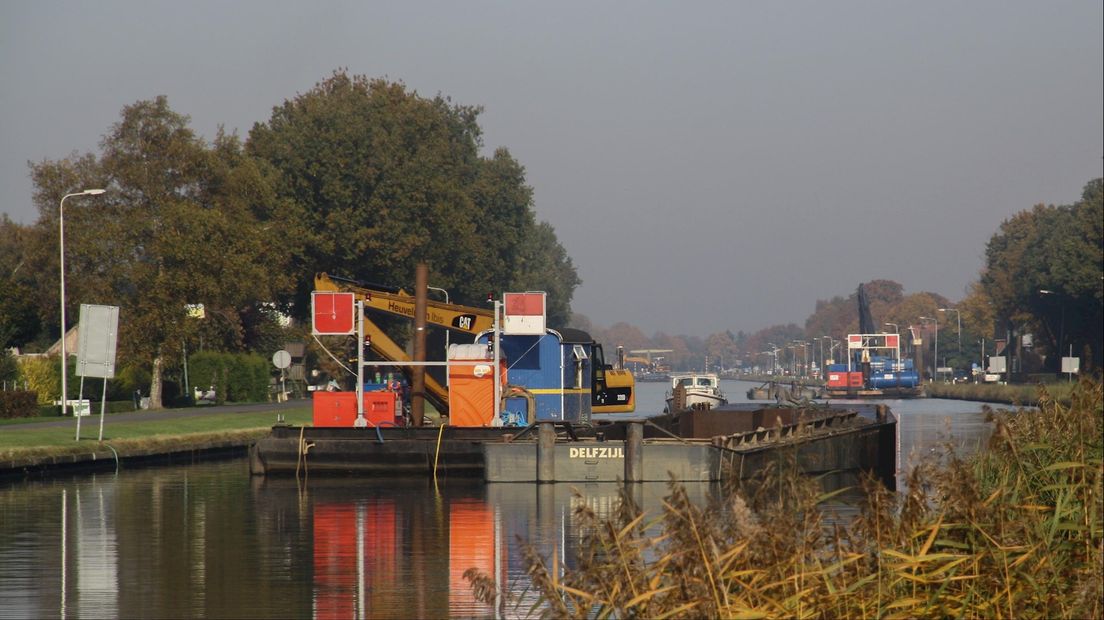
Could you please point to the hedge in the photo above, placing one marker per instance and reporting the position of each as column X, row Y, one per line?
column 236, row 377
column 18, row 404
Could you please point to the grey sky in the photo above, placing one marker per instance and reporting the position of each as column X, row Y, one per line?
column 708, row 165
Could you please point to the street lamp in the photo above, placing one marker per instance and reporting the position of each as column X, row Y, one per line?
column 935, row 354
column 61, row 246
column 896, row 330
column 958, row 318
column 1061, row 323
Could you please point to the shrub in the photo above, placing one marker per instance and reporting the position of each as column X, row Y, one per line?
column 18, row 404
column 236, row 377
column 130, row 377
column 9, row 369
column 42, row 376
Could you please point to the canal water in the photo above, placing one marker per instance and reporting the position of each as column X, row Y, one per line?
column 208, row 540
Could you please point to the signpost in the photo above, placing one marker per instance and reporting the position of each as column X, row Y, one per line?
column 1071, row 365
column 99, row 331
column 282, row 359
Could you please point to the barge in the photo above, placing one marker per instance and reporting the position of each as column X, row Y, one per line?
column 734, row 442
column 519, row 406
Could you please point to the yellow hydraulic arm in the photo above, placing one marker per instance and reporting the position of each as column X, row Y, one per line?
column 468, row 319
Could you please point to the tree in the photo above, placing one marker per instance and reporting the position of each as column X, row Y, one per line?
column 381, row 179
column 179, row 225
column 1060, row 250
column 19, row 322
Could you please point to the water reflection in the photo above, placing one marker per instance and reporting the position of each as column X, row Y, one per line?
column 401, row 548
column 208, row 540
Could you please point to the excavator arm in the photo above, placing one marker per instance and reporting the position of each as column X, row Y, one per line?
column 467, row 319
column 614, row 389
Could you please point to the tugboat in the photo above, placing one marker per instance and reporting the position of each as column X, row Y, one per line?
column 694, row 389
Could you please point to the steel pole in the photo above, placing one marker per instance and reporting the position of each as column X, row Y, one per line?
column 417, row 396
column 61, row 251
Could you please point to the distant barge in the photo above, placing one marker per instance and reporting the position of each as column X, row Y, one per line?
column 734, row 441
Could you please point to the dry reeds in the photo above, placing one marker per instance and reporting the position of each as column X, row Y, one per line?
column 1015, row 531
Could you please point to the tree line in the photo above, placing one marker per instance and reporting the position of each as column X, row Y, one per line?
column 365, row 178
column 1038, row 297
column 357, row 177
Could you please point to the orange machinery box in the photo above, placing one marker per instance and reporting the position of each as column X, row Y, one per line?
column 339, row 409
column 855, row 379
column 471, row 392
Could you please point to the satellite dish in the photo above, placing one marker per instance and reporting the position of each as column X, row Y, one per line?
column 281, row 359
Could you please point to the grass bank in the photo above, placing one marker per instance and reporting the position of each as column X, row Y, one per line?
column 1015, row 531
column 1016, row 395
column 130, row 434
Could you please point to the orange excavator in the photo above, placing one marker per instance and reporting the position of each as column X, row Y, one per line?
column 613, row 389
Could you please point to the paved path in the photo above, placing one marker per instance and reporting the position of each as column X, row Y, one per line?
column 162, row 414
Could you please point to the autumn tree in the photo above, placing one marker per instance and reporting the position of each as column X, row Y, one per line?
column 19, row 320
column 381, row 179
column 181, row 224
column 1043, row 273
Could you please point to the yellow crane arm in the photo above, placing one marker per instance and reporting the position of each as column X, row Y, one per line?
column 467, row 319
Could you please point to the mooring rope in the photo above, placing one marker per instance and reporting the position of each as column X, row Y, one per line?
column 437, row 453
column 116, row 456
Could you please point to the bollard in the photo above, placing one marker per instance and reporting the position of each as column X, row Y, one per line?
column 880, row 412
column 546, row 452
column 634, row 452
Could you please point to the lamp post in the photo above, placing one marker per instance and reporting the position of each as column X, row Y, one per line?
column 1061, row 324
column 896, row 329
column 958, row 319
column 935, row 353
column 831, row 347
column 61, row 249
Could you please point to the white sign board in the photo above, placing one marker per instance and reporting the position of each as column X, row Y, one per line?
column 524, row 314
column 1071, row 365
column 81, row 408
column 98, row 333
column 997, row 364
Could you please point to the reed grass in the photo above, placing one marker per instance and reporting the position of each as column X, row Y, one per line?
column 1014, row 531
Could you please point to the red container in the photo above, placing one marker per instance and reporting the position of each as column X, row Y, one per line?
column 855, row 379
column 339, row 409
column 837, row 379
column 379, row 409
column 334, row 408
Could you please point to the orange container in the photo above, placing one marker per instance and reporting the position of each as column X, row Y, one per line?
column 379, row 409
column 855, row 379
column 334, row 408
column 837, row 379
column 471, row 392
column 339, row 409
